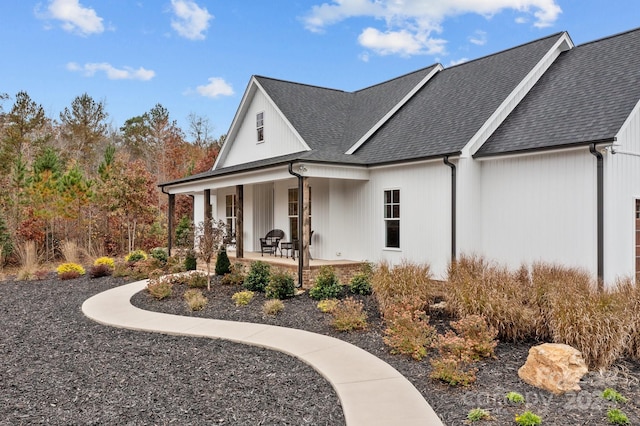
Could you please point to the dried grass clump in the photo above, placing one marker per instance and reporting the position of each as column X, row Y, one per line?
column 196, row 301
column 349, row 315
column 503, row 298
column 70, row 251
column 406, row 283
column 28, row 258
column 160, row 288
column 273, row 307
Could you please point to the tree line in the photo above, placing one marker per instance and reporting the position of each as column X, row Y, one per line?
column 78, row 178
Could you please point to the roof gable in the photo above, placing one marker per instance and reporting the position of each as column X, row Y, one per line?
column 585, row 97
column 445, row 114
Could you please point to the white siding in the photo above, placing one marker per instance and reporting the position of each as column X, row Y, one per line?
column 622, row 188
column 540, row 208
column 278, row 137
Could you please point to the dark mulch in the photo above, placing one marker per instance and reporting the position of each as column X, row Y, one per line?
column 58, row 367
column 495, row 377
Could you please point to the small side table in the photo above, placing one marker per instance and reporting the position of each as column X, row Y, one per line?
column 289, row 246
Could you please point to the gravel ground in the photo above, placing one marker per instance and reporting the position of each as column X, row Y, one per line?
column 495, row 377
column 60, row 368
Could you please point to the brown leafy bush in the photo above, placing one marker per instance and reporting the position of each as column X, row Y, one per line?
column 349, row 315
column 100, row 270
column 196, row 301
column 160, row 288
column 236, row 275
column 479, row 337
column 408, row 331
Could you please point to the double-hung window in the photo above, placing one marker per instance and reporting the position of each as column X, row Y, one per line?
column 230, row 212
column 293, row 213
column 392, row 218
column 260, row 126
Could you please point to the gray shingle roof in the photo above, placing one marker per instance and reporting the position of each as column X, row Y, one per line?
column 452, row 107
column 584, row 97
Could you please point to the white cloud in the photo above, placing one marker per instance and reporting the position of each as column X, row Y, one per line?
column 112, row 73
column 191, row 20
column 75, row 17
column 479, row 38
column 410, row 24
column 457, row 62
column 215, row 88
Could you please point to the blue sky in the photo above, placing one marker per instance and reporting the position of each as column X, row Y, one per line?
column 198, row 56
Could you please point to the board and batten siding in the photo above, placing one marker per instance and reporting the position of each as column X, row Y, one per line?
column 425, row 215
column 278, row 137
column 622, row 188
column 539, row 208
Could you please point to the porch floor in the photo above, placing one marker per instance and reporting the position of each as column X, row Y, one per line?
column 277, row 260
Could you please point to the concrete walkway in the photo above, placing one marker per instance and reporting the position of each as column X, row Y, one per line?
column 370, row 390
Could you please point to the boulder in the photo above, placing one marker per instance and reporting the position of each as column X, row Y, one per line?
column 554, row 367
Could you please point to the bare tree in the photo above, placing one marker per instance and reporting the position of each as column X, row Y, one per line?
column 209, row 237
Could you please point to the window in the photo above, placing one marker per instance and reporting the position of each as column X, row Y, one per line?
column 260, row 126
column 293, row 213
column 230, row 213
column 392, row 218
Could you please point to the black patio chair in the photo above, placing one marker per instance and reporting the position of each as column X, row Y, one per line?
column 270, row 243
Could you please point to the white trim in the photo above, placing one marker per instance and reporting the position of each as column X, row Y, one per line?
column 545, row 151
column 393, row 110
column 516, row 96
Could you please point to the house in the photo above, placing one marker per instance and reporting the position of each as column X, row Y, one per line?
column 530, row 154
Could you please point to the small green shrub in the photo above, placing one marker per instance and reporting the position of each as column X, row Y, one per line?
column 617, row 417
column 190, row 261
column 327, row 285
column 160, row 288
column 349, row 315
column 104, row 260
column 477, row 414
column 243, row 298
column 328, row 305
column 136, row 256
column 223, row 265
column 69, row 270
column 408, row 332
column 515, row 398
column 197, row 280
column 612, row 395
column 281, row 286
column 273, row 307
column 235, row 277
column 195, row 299
column 528, row 419
column 160, row 255
column 258, row 276
column 360, row 284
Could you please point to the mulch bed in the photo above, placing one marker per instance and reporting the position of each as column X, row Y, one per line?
column 495, row 377
column 59, row 367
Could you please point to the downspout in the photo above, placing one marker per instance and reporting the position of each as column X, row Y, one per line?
column 600, row 212
column 300, row 224
column 453, row 207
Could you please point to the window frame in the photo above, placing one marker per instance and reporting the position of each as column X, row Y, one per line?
column 391, row 216
column 260, row 127
column 231, row 229
column 292, row 212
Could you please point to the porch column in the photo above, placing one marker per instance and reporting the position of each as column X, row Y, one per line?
column 239, row 221
column 207, row 204
column 306, row 231
column 170, row 225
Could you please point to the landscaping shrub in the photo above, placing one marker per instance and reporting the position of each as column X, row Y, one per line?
column 479, row 337
column 408, row 332
column 273, row 307
column 160, row 288
column 197, row 280
column 258, row 276
column 451, row 371
column 361, row 284
column 102, row 270
column 404, row 283
column 104, row 260
column 477, row 414
column 190, row 261
column 136, row 256
column 69, row 270
column 612, row 395
column 515, row 398
column 528, row 419
column 196, row 301
column 616, row 417
column 236, row 276
column 223, row 265
column 242, row 298
column 327, row 285
column 349, row 315
column 160, row 255
column 328, row 305
column 280, row 286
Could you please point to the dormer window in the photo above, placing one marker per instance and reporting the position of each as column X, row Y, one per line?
column 260, row 126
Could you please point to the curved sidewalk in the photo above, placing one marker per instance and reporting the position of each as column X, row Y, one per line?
column 370, row 390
